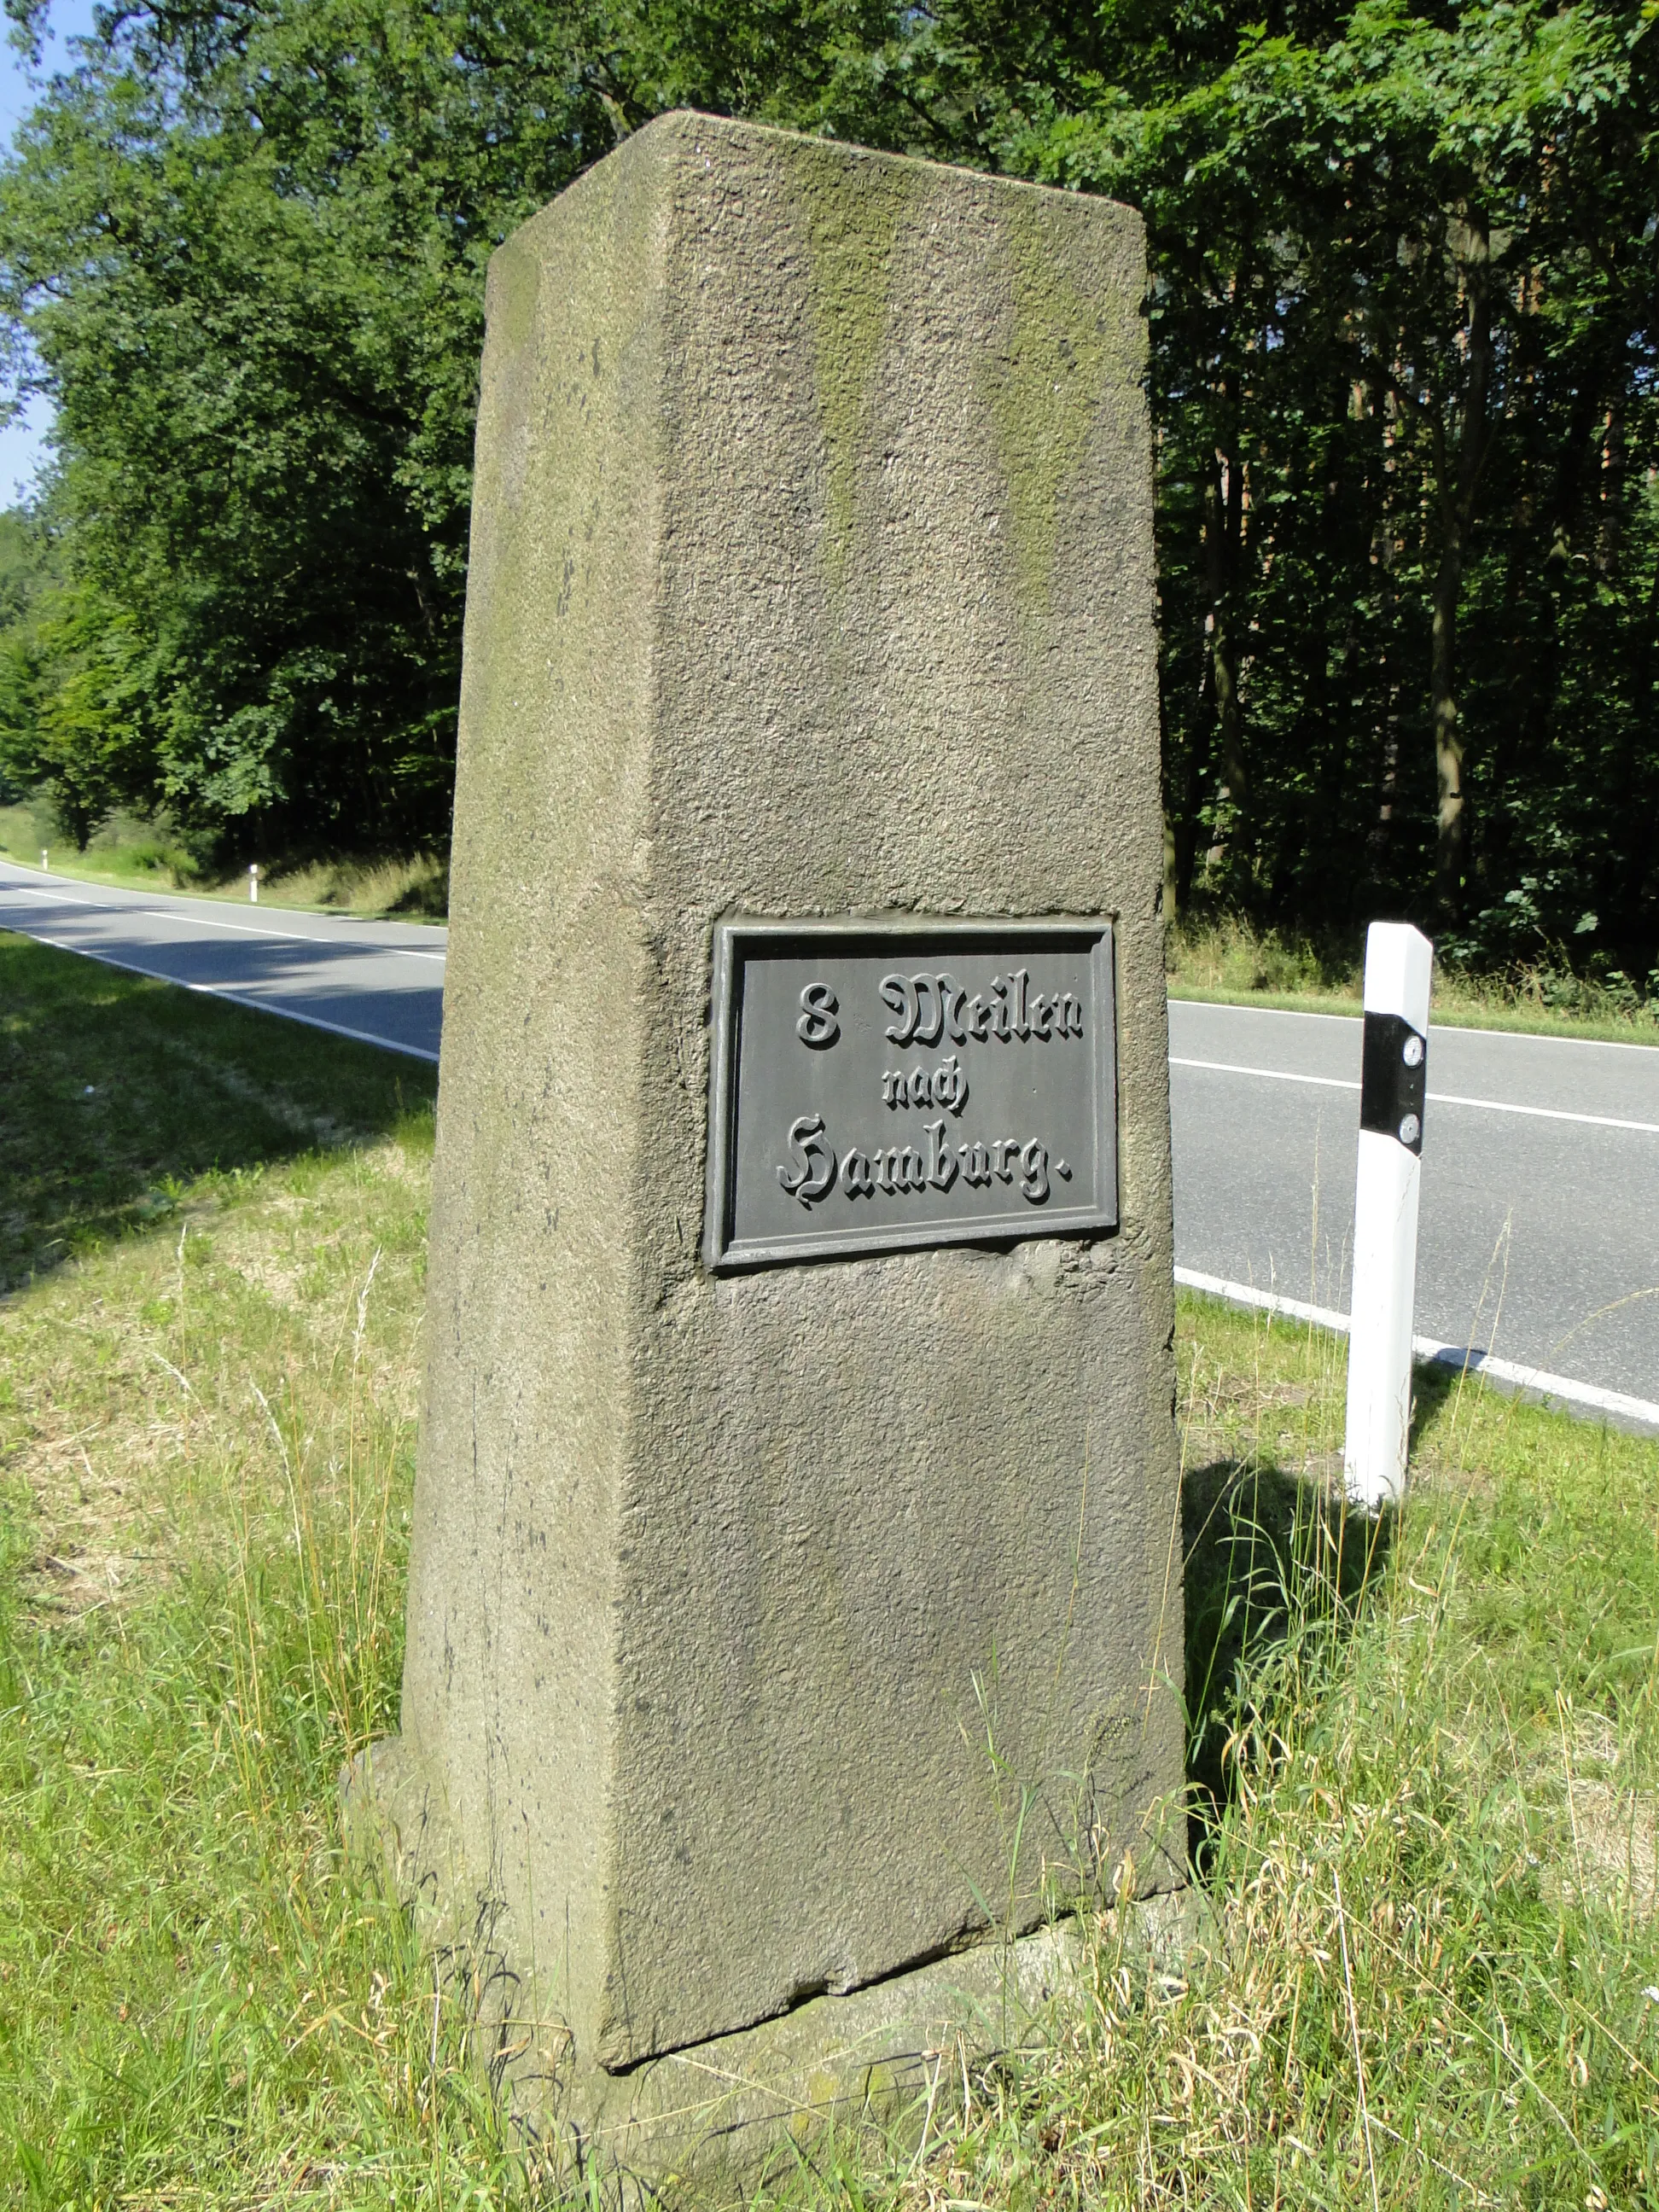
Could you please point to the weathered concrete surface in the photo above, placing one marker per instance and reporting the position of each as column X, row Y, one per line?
column 811, row 573
column 886, row 2056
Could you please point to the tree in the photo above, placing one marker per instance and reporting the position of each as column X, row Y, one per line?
column 248, row 249
column 1401, row 254
column 1405, row 297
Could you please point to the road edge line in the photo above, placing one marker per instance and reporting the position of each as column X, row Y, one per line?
column 1465, row 1029
column 237, row 928
column 237, row 999
column 1586, row 1400
column 1244, row 1294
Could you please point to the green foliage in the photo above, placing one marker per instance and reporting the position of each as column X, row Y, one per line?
column 1225, row 957
column 27, row 574
column 74, row 674
column 245, row 245
column 1405, row 314
column 1406, row 277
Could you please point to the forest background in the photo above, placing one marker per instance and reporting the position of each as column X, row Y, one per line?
column 1405, row 376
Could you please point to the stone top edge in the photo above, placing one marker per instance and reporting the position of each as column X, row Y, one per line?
column 685, row 122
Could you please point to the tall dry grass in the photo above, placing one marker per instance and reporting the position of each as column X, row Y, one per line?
column 1424, row 1762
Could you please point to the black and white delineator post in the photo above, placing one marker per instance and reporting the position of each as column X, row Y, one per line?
column 1393, row 1077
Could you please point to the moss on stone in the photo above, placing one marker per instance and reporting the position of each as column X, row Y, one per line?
column 852, row 218
column 514, row 278
column 1045, row 389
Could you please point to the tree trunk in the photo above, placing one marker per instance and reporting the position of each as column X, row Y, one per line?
column 1637, row 870
column 1186, row 817
column 1223, row 530
column 1458, row 483
column 1380, row 842
column 1171, row 873
column 1450, row 838
column 1229, row 719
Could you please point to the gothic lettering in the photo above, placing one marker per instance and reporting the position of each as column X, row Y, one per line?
column 890, row 1071
column 814, row 1163
column 817, row 1026
column 895, row 1170
column 930, row 1008
column 899, row 993
column 949, row 1085
column 857, row 1179
column 901, row 1169
column 942, row 1161
column 944, row 1086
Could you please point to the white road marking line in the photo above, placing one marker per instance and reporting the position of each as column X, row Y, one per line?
column 287, row 936
column 1462, row 1029
column 212, row 921
column 58, row 898
column 244, row 999
column 1617, row 1406
column 1543, row 1113
column 311, row 1021
column 1243, row 1294
column 1290, row 1013
column 1436, row 1097
column 1272, row 1074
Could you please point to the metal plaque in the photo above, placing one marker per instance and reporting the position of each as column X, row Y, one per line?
column 876, row 1086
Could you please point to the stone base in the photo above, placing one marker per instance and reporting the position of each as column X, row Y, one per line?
column 882, row 2057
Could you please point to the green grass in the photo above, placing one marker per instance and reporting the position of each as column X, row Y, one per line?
column 206, row 1421
column 134, row 855
column 122, row 1100
column 1230, row 961
column 1424, row 1768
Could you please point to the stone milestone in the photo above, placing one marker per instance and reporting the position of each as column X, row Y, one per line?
column 794, row 1613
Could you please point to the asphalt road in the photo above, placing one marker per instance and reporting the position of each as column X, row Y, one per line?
column 1537, row 1237
column 381, row 981
column 1539, row 1227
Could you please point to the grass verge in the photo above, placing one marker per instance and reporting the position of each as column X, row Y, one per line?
column 1230, row 962
column 1423, row 1768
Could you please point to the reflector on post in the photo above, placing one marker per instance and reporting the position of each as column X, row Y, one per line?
column 1399, row 965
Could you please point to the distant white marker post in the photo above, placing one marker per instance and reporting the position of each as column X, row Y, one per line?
column 253, row 884
column 43, row 859
column 1399, row 962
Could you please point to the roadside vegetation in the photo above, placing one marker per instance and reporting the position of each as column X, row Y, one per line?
column 135, row 854
column 1403, row 331
column 1424, row 1759
column 1227, row 958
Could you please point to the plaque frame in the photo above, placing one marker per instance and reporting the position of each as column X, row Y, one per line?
column 734, row 938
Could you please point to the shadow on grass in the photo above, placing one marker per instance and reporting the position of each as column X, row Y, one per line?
column 1432, row 1386
column 117, row 1093
column 1277, row 1568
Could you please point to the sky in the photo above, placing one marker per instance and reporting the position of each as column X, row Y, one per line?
column 22, row 443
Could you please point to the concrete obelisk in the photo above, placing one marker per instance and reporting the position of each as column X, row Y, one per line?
column 794, row 1609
